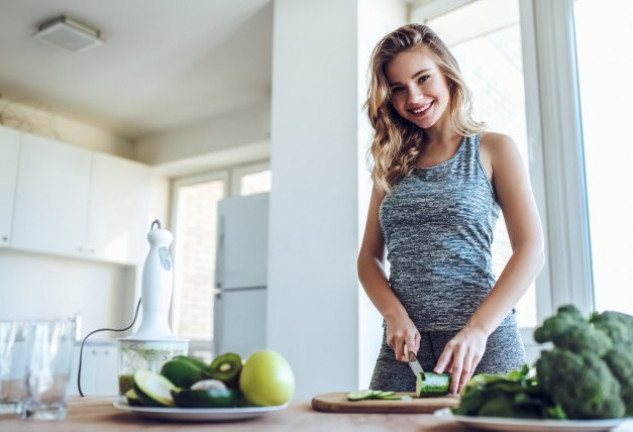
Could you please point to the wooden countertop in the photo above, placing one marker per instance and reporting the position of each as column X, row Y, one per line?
column 92, row 414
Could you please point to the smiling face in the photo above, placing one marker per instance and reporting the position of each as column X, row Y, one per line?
column 419, row 90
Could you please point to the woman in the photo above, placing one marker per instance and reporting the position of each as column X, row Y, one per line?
column 440, row 183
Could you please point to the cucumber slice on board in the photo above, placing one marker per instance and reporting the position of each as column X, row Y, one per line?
column 360, row 395
column 153, row 389
column 374, row 394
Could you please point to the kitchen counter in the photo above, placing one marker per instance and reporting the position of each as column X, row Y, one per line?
column 92, row 414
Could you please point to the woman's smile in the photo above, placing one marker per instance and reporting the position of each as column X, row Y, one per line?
column 420, row 110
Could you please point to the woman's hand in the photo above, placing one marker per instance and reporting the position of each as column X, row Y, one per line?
column 461, row 356
column 401, row 331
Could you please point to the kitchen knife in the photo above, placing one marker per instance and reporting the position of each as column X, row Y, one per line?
column 414, row 364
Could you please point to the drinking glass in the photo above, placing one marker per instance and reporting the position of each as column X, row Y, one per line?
column 48, row 369
column 14, row 345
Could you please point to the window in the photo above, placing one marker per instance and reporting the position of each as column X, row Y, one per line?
column 485, row 37
column 251, row 179
column 603, row 36
column 194, row 254
column 195, row 201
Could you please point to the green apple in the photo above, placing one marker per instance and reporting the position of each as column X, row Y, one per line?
column 267, row 379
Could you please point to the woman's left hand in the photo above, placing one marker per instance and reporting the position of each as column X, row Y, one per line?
column 461, row 356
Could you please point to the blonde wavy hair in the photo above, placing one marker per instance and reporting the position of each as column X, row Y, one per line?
column 396, row 143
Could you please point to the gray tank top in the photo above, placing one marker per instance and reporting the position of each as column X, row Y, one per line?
column 438, row 225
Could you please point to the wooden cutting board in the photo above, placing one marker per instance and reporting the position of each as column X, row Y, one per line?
column 338, row 403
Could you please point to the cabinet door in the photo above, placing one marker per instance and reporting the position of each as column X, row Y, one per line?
column 98, row 370
column 9, row 149
column 51, row 202
column 119, row 206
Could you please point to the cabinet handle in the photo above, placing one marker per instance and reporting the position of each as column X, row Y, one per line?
column 5, row 238
column 80, row 249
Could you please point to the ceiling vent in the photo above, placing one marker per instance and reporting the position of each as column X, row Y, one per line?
column 68, row 34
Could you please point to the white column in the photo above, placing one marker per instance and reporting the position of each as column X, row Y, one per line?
column 376, row 18
column 317, row 206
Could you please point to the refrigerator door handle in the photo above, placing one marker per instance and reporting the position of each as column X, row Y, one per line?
column 219, row 257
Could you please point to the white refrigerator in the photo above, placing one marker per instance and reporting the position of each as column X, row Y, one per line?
column 239, row 310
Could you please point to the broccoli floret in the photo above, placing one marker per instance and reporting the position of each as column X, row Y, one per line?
column 581, row 383
column 566, row 317
column 572, row 311
column 620, row 362
column 569, row 330
column 618, row 326
column 583, row 337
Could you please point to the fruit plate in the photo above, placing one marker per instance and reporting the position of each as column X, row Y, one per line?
column 197, row 414
column 531, row 425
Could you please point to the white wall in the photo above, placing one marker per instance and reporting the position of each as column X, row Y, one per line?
column 36, row 286
column 205, row 137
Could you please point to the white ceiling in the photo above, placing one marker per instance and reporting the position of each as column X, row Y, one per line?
column 164, row 63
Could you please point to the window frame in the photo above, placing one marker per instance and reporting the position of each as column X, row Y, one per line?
column 239, row 171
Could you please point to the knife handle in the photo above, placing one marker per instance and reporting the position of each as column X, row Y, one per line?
column 409, row 354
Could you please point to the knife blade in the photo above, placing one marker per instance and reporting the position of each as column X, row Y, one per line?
column 414, row 364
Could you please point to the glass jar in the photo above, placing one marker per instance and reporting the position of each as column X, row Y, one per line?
column 145, row 355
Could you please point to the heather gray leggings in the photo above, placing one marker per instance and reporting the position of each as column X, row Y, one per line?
column 504, row 352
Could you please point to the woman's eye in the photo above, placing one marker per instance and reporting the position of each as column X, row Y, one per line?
column 423, row 78
column 395, row 90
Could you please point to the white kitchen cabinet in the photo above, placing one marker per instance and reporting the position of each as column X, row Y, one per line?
column 98, row 370
column 74, row 202
column 9, row 149
column 119, row 209
column 52, row 197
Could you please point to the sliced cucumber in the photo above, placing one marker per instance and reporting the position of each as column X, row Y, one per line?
column 373, row 394
column 360, row 395
column 430, row 384
column 153, row 389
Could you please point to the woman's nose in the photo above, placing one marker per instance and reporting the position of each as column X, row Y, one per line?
column 415, row 94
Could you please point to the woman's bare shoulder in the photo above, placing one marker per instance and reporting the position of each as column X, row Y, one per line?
column 495, row 140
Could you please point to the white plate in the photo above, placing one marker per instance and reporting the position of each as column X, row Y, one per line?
column 197, row 414
column 528, row 425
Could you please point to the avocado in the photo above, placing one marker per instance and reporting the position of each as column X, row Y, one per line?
column 153, row 389
column 183, row 372
column 212, row 398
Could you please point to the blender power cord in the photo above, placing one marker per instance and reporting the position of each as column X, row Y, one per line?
column 81, row 350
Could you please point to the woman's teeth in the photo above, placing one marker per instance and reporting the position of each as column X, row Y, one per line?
column 421, row 109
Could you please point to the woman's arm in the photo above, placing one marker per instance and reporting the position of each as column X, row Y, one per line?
column 400, row 328
column 514, row 193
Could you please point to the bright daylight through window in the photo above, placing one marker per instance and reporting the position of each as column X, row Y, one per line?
column 603, row 38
